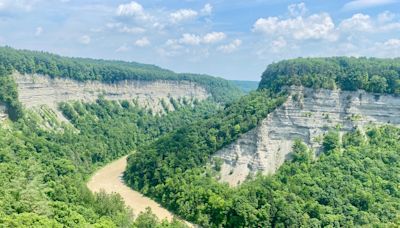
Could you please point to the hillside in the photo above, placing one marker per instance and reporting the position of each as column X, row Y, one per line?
column 290, row 117
column 324, row 93
column 37, row 74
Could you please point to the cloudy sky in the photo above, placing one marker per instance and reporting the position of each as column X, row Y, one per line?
column 234, row 39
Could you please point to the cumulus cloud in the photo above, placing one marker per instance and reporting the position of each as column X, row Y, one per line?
column 365, row 23
column 85, row 39
column 183, row 15
column 214, row 37
column 132, row 9
column 231, row 47
column 358, row 22
column 143, row 42
column 316, row 26
column 361, row 4
column 190, row 39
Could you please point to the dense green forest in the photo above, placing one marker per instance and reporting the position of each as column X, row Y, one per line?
column 353, row 183
column 347, row 73
column 246, row 86
column 43, row 171
column 83, row 69
column 44, row 167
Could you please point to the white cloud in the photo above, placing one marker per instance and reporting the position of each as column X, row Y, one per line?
column 132, row 9
column 297, row 9
column 183, row 15
column 361, row 4
column 143, row 42
column 214, row 37
column 85, row 39
column 193, row 39
column 365, row 23
column 358, row 22
column 207, row 9
column 190, row 39
column 120, row 27
column 231, row 47
column 316, row 26
column 392, row 43
column 38, row 31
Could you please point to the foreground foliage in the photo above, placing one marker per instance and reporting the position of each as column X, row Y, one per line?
column 43, row 171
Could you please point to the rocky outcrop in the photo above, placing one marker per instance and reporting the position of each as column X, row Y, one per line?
column 38, row 90
column 3, row 112
column 306, row 115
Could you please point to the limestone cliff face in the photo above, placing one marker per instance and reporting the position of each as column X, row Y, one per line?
column 306, row 115
column 37, row 90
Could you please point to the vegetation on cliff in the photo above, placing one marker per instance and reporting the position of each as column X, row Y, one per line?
column 83, row 69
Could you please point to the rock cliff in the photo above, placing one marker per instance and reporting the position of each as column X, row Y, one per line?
column 39, row 90
column 306, row 115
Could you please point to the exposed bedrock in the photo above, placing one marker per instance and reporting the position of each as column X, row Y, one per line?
column 306, row 115
column 38, row 90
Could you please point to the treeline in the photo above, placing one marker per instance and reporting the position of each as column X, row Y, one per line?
column 346, row 73
column 83, row 69
column 43, row 171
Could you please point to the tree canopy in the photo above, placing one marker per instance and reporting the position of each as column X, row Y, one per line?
column 346, row 73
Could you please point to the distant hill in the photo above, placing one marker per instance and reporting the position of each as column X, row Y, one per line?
column 246, row 86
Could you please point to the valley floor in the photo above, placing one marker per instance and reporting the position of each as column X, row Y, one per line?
column 109, row 178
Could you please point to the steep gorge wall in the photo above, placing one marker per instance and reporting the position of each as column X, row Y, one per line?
column 306, row 115
column 38, row 90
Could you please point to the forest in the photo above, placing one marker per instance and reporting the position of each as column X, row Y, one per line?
column 346, row 73
column 43, row 171
column 353, row 183
column 84, row 69
column 44, row 167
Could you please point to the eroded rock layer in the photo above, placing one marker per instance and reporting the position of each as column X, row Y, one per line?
column 37, row 90
column 306, row 115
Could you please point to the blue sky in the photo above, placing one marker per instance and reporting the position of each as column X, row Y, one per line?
column 233, row 39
